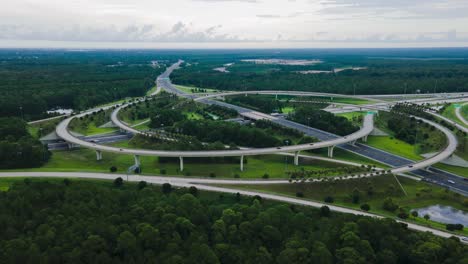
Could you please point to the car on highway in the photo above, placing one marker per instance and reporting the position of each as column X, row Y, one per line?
column 450, row 181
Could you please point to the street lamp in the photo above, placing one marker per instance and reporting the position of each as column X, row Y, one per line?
column 286, row 142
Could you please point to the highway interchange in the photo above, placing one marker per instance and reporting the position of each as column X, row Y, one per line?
column 348, row 143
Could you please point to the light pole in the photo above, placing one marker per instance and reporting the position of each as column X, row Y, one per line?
column 286, row 142
column 21, row 112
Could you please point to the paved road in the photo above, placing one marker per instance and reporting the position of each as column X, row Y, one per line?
column 435, row 176
column 199, row 183
column 101, row 139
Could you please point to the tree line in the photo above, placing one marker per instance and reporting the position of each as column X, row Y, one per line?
column 36, row 82
column 68, row 221
column 18, row 148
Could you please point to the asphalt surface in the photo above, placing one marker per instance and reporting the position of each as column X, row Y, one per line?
column 433, row 175
column 101, row 139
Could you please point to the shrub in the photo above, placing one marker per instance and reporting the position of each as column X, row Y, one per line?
column 414, row 213
column 329, row 199
column 325, row 211
column 113, row 169
column 453, row 227
column 118, row 182
column 300, row 194
column 403, row 214
column 166, row 188
column 365, row 207
column 193, row 190
column 236, row 176
column 212, row 175
column 389, row 205
column 142, row 184
column 163, row 171
column 265, row 176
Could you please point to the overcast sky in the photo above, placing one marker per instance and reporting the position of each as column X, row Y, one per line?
column 233, row 23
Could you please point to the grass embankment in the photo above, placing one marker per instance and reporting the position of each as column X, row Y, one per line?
column 189, row 89
column 90, row 124
column 449, row 112
column 419, row 194
column 39, row 130
column 353, row 115
column 395, row 146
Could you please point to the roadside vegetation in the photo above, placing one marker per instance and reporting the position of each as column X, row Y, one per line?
column 379, row 194
column 18, row 148
column 138, row 223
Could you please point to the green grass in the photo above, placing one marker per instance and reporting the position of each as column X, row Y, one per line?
column 255, row 167
column 287, row 109
column 420, row 194
column 152, row 90
column 344, row 155
column 461, row 171
column 449, row 113
column 394, row 146
column 352, row 115
column 188, row 89
column 193, row 116
column 91, row 129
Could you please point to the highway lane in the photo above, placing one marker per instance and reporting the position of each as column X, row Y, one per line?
column 101, row 139
column 201, row 184
column 435, row 176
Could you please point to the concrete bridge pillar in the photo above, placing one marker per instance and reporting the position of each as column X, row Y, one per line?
column 330, row 151
column 364, row 139
column 181, row 163
column 242, row 163
column 98, row 155
column 353, row 142
column 296, row 158
column 137, row 160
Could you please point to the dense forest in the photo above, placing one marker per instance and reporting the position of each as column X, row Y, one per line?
column 310, row 116
column 382, row 71
column 85, row 222
column 33, row 82
column 18, row 148
column 227, row 133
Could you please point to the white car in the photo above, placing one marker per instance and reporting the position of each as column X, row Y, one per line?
column 450, row 181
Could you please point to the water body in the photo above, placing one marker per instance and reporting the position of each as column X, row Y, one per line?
column 444, row 214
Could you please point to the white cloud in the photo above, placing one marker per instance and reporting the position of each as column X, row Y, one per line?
column 240, row 22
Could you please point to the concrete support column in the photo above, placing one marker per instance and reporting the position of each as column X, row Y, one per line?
column 353, row 142
column 330, row 151
column 296, row 158
column 137, row 160
column 242, row 163
column 364, row 139
column 98, row 155
column 181, row 163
